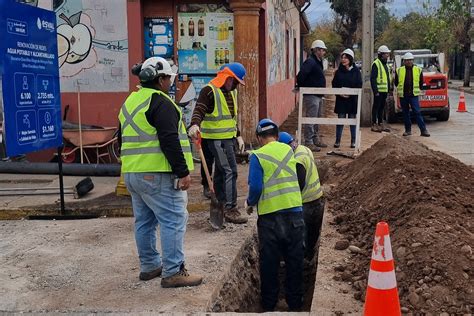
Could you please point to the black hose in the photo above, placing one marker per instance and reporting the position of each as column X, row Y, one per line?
column 73, row 169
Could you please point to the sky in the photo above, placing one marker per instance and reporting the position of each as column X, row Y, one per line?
column 319, row 9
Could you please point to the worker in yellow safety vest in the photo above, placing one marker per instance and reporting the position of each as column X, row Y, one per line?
column 312, row 193
column 215, row 119
column 409, row 82
column 275, row 189
column 156, row 161
column 380, row 83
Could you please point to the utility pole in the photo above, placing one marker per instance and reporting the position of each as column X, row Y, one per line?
column 368, row 11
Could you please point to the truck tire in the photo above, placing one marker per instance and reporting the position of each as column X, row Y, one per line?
column 443, row 116
column 390, row 115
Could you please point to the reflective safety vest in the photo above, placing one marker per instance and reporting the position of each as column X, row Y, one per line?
column 280, row 182
column 312, row 189
column 416, row 73
column 220, row 124
column 141, row 151
column 382, row 79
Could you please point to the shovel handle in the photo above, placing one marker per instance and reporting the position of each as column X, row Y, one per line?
column 197, row 142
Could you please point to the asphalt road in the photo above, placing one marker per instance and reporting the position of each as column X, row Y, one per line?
column 454, row 137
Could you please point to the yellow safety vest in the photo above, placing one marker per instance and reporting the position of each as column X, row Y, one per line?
column 401, row 73
column 141, row 151
column 220, row 124
column 382, row 79
column 312, row 189
column 280, row 182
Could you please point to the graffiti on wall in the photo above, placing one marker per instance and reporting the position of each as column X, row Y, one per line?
column 276, row 44
column 92, row 43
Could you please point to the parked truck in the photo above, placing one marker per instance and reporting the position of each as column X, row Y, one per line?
column 434, row 100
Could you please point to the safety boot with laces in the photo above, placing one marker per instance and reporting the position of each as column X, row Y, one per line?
column 375, row 128
column 233, row 216
column 180, row 279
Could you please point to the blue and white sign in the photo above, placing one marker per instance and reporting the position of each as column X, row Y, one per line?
column 30, row 78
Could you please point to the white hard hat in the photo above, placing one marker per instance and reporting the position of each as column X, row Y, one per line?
column 318, row 44
column 408, row 56
column 154, row 64
column 383, row 49
column 349, row 52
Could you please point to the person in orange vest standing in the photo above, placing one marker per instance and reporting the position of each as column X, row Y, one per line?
column 409, row 82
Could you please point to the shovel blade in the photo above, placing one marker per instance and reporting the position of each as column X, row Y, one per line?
column 216, row 216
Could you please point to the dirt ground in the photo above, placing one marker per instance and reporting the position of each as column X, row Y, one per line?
column 427, row 198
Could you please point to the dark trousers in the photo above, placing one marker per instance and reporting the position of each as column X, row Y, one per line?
column 313, row 213
column 406, row 102
column 225, row 171
column 209, row 161
column 378, row 107
column 340, row 128
column 280, row 235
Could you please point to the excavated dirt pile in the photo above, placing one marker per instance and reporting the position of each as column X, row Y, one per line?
column 427, row 198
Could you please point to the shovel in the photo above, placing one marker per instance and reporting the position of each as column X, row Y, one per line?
column 216, row 217
column 79, row 190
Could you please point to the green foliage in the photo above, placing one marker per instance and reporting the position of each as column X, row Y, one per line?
column 325, row 31
column 381, row 19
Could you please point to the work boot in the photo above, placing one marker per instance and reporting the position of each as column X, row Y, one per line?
column 145, row 276
column 233, row 216
column 320, row 144
column 407, row 133
column 313, row 147
column 353, row 144
column 206, row 192
column 337, row 144
column 385, row 128
column 375, row 128
column 180, row 279
column 425, row 133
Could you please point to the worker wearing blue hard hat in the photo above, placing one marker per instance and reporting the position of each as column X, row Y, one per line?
column 275, row 190
column 215, row 120
column 312, row 193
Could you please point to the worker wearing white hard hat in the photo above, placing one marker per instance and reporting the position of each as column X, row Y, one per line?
column 409, row 82
column 380, row 83
column 312, row 75
column 346, row 76
column 156, row 163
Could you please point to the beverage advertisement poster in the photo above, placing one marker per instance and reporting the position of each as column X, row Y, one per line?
column 158, row 37
column 205, row 39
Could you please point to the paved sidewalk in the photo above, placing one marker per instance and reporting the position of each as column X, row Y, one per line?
column 458, row 85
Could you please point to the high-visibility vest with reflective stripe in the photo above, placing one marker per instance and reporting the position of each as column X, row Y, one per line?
column 312, row 189
column 141, row 151
column 220, row 124
column 280, row 182
column 382, row 79
column 401, row 73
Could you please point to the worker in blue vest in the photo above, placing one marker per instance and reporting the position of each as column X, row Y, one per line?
column 275, row 189
column 409, row 82
column 156, row 161
column 311, row 194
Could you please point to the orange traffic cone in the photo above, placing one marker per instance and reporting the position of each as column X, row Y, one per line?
column 462, row 102
column 382, row 293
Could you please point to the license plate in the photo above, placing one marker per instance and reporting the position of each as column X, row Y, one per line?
column 432, row 97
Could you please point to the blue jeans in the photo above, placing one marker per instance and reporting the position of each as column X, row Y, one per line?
column 314, row 107
column 406, row 102
column 154, row 202
column 340, row 128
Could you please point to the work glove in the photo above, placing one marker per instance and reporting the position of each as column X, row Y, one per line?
column 249, row 209
column 241, row 144
column 193, row 131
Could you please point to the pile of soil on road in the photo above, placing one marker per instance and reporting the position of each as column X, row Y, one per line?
column 427, row 198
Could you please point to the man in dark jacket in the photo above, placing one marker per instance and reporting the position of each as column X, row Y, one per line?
column 380, row 83
column 312, row 75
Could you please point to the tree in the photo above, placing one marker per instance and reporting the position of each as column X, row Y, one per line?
column 326, row 32
column 381, row 20
column 457, row 14
column 350, row 13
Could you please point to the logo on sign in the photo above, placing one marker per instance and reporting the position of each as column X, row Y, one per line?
column 46, row 25
column 17, row 27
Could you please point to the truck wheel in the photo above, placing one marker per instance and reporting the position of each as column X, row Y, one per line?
column 443, row 116
column 390, row 115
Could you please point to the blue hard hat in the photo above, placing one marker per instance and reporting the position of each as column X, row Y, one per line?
column 265, row 125
column 238, row 69
column 285, row 138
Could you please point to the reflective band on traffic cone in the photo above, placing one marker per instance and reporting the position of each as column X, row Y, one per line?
column 462, row 102
column 382, row 293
